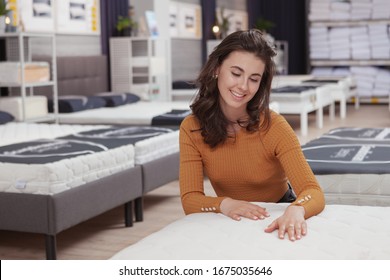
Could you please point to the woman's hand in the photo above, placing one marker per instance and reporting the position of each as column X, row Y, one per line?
column 236, row 209
column 291, row 222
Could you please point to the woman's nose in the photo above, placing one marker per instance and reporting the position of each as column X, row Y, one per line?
column 243, row 84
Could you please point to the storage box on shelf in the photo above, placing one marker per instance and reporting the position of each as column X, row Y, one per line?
column 20, row 72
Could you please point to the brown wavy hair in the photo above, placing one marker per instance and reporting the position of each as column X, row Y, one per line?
column 206, row 108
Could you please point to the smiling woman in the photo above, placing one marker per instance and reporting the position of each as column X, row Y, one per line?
column 248, row 152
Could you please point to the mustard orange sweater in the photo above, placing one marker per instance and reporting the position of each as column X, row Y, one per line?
column 251, row 167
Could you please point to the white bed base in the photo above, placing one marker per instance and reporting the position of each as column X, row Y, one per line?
column 138, row 113
column 341, row 91
column 304, row 103
column 340, row 232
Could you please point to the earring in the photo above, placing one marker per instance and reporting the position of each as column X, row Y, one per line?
column 215, row 76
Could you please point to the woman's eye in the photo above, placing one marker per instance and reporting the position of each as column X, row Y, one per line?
column 236, row 74
column 255, row 80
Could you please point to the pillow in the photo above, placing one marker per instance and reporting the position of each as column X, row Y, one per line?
column 114, row 99
column 75, row 103
column 5, row 117
column 95, row 102
column 132, row 98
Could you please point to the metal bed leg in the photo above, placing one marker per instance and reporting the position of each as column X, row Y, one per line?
column 129, row 214
column 51, row 247
column 139, row 212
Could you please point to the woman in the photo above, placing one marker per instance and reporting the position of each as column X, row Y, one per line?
column 248, row 152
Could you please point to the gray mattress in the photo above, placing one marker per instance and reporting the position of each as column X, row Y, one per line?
column 352, row 165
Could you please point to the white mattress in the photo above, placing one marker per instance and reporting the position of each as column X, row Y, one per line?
column 140, row 113
column 65, row 174
column 340, row 232
column 56, row 177
column 161, row 141
column 356, row 189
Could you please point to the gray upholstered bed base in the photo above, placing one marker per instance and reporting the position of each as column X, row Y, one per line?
column 156, row 174
column 51, row 214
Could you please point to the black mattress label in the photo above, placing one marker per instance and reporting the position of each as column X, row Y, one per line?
column 293, row 89
column 45, row 151
column 371, row 134
column 118, row 135
column 83, row 143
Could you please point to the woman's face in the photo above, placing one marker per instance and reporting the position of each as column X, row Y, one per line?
column 239, row 79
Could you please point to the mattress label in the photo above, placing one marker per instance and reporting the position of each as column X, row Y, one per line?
column 48, row 150
column 348, row 158
column 20, row 184
column 366, row 134
column 119, row 135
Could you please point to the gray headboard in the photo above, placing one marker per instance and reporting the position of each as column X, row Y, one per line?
column 78, row 75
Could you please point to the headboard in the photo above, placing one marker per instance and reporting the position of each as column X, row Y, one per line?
column 78, row 75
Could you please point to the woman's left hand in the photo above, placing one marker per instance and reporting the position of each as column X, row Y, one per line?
column 291, row 222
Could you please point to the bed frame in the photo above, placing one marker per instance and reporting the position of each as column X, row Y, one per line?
column 89, row 75
column 51, row 214
column 303, row 103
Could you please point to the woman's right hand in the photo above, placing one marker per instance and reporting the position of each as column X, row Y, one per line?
column 236, row 209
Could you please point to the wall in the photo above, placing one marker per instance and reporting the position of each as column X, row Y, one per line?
column 69, row 45
column 186, row 54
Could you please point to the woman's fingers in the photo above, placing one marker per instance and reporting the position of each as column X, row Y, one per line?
column 293, row 231
column 236, row 209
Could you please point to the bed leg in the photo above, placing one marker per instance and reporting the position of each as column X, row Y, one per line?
column 139, row 214
column 129, row 214
column 51, row 247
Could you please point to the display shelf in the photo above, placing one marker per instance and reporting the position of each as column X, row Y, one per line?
column 138, row 65
column 366, row 42
column 25, row 56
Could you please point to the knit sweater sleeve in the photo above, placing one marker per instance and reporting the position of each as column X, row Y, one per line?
column 191, row 176
column 282, row 142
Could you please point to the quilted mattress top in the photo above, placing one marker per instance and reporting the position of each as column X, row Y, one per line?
column 339, row 232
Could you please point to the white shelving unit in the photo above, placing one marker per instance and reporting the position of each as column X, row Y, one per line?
column 138, row 65
column 356, row 59
column 24, row 56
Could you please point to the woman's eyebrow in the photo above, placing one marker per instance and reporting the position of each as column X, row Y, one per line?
column 242, row 70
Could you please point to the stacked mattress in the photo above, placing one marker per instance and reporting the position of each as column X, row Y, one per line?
column 340, row 232
column 352, row 165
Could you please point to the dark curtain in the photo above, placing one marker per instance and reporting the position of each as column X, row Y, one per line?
column 208, row 20
column 109, row 13
column 3, row 91
column 290, row 25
